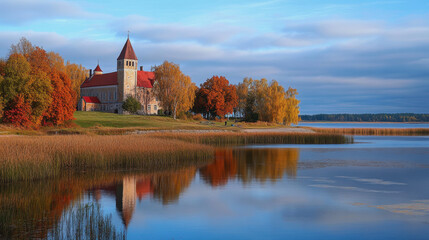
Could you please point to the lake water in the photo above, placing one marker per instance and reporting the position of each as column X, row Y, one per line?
column 362, row 125
column 374, row 189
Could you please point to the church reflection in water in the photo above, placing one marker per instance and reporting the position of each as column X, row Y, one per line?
column 245, row 165
column 52, row 198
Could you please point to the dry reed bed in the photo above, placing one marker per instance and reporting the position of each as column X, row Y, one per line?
column 29, row 158
column 38, row 157
column 376, row 131
column 243, row 138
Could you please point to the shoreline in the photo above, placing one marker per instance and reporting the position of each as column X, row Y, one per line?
column 364, row 122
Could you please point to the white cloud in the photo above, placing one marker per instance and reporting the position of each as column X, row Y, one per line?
column 142, row 28
column 21, row 11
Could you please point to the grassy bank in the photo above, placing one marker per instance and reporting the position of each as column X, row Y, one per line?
column 241, row 138
column 375, row 131
column 29, row 158
column 111, row 120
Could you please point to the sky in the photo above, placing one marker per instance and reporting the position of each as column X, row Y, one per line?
column 343, row 56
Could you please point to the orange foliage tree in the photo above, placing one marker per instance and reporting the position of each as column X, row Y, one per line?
column 63, row 100
column 18, row 112
column 216, row 97
column 43, row 85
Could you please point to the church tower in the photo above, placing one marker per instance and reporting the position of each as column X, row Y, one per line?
column 127, row 72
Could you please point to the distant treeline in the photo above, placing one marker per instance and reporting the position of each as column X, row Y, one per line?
column 380, row 117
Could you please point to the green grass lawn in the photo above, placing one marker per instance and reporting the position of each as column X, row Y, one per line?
column 101, row 119
column 106, row 123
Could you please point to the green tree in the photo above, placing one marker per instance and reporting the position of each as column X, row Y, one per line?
column 131, row 105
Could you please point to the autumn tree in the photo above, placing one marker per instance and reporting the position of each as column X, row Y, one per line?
column 217, row 97
column 2, row 66
column 175, row 90
column 63, row 105
column 276, row 103
column 18, row 112
column 77, row 74
column 268, row 102
column 16, row 75
column 242, row 93
column 259, row 90
column 23, row 47
column 255, row 103
column 292, row 108
column 39, row 89
column 41, row 81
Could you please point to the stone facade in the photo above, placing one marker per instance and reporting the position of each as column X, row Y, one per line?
column 150, row 104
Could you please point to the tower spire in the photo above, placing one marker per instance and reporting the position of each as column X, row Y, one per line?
column 127, row 52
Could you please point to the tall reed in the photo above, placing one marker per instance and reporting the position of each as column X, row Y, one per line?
column 86, row 221
column 28, row 158
column 242, row 138
column 37, row 157
column 376, row 131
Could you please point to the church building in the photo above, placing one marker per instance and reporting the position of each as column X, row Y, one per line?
column 106, row 92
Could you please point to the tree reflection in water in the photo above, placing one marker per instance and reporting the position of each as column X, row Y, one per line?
column 32, row 210
column 249, row 165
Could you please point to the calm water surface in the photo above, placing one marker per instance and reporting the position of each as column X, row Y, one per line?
column 362, row 125
column 375, row 189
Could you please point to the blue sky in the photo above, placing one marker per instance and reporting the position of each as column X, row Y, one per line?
column 342, row 56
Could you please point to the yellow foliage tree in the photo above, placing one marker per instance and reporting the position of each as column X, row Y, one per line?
column 292, row 108
column 77, row 74
column 275, row 103
column 175, row 90
column 242, row 93
column 268, row 102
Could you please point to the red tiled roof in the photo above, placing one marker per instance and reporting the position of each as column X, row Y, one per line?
column 144, row 79
column 127, row 52
column 97, row 69
column 91, row 99
column 105, row 79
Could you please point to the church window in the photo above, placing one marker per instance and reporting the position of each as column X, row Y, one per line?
column 133, row 64
column 148, row 107
column 155, row 107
